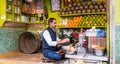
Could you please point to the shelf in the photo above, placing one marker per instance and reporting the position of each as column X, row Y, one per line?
column 88, row 57
column 10, row 20
column 9, row 12
column 10, row 3
column 36, row 22
column 17, row 5
column 24, row 13
column 83, row 14
column 17, row 13
column 26, row 22
column 84, row 27
column 33, row 15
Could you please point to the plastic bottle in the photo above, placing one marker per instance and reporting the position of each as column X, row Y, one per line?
column 81, row 37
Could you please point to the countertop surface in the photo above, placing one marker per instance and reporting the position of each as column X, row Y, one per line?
column 87, row 57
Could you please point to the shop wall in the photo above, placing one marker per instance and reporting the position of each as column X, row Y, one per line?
column 117, row 31
column 117, row 11
column 117, row 43
column 9, row 39
column 53, row 14
column 2, row 11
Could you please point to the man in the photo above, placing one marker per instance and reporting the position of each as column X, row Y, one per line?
column 50, row 43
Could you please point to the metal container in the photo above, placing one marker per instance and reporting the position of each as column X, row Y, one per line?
column 99, row 52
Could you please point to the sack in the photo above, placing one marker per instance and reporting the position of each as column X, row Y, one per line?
column 101, row 33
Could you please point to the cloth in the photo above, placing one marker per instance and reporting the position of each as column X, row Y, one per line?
column 53, row 55
column 48, row 38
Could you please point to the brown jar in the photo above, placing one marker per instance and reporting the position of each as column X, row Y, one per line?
column 70, row 12
column 72, row 8
column 93, row 10
column 78, row 4
column 76, row 8
column 74, row 12
column 81, row 7
column 88, row 10
column 103, row 10
column 86, row 7
column 83, row 11
column 91, row 6
column 66, row 12
column 96, row 6
column 62, row 12
column 100, row 6
column 98, row 10
column 79, row 11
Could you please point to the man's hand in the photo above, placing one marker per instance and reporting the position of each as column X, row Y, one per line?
column 66, row 40
column 61, row 52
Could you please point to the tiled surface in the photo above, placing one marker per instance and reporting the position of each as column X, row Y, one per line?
column 117, row 43
column 21, row 58
column 9, row 39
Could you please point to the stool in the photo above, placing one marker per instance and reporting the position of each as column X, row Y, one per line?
column 49, row 61
column 44, row 59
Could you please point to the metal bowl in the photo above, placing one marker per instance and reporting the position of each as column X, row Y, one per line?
column 69, row 49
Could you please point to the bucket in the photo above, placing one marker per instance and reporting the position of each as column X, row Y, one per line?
column 29, row 43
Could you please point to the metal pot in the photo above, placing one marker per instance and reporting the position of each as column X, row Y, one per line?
column 99, row 52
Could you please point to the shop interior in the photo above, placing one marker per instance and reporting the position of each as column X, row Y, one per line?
column 84, row 22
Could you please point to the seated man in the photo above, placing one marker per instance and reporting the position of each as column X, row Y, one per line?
column 51, row 45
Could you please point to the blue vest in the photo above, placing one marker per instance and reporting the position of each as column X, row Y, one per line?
column 45, row 46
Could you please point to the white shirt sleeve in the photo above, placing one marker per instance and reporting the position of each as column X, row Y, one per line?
column 48, row 39
column 58, row 38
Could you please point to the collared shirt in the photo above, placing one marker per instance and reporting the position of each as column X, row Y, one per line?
column 48, row 38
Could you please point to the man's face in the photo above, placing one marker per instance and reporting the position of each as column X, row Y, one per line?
column 53, row 24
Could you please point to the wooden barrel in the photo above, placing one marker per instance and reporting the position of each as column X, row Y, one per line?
column 29, row 43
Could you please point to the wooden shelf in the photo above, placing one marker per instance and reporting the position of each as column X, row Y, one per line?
column 17, row 5
column 10, row 3
column 36, row 22
column 9, row 12
column 84, row 27
column 83, row 14
column 17, row 13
